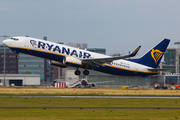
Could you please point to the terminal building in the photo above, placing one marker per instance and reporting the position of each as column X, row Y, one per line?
column 20, row 80
column 171, row 60
column 11, row 63
column 28, row 64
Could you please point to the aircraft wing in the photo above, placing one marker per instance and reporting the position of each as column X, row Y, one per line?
column 101, row 61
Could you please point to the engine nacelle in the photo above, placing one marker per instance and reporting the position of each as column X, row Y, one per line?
column 72, row 61
column 58, row 64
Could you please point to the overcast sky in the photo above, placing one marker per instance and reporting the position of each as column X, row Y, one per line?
column 117, row 25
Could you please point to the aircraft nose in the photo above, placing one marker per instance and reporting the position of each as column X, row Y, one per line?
column 6, row 42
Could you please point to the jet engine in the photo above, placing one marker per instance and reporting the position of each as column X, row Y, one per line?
column 72, row 61
column 58, row 64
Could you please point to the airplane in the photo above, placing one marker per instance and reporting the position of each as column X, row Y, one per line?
column 84, row 83
column 63, row 56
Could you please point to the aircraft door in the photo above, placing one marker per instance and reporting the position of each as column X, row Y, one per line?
column 26, row 42
column 136, row 69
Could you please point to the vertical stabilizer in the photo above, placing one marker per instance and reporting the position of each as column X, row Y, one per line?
column 153, row 57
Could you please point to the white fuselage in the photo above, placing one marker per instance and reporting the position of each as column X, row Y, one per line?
column 57, row 52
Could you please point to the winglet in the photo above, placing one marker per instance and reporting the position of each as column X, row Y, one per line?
column 135, row 52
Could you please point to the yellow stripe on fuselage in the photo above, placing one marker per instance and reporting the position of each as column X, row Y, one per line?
column 129, row 69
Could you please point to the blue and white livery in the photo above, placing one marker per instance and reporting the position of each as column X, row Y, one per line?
column 63, row 56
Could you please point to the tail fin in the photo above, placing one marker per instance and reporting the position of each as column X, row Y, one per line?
column 153, row 57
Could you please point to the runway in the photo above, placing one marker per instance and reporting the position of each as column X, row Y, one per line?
column 79, row 96
column 88, row 108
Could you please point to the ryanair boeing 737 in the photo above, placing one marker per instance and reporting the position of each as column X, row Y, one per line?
column 63, row 56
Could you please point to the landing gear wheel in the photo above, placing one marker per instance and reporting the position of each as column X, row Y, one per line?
column 77, row 72
column 86, row 72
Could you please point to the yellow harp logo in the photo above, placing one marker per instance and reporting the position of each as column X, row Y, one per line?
column 156, row 55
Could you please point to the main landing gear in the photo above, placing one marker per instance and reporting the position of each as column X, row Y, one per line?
column 77, row 72
column 85, row 72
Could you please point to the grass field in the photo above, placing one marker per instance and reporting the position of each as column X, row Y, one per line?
column 86, row 91
column 87, row 113
column 81, row 113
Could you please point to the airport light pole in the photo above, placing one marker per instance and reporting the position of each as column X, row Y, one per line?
column 177, row 43
column 4, row 58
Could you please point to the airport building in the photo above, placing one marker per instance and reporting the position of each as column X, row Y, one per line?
column 11, row 64
column 171, row 60
column 77, row 45
column 25, row 64
column 97, row 50
column 28, row 64
column 19, row 80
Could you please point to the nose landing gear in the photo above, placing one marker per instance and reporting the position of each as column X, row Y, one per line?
column 17, row 57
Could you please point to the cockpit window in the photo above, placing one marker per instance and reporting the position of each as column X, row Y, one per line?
column 14, row 39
